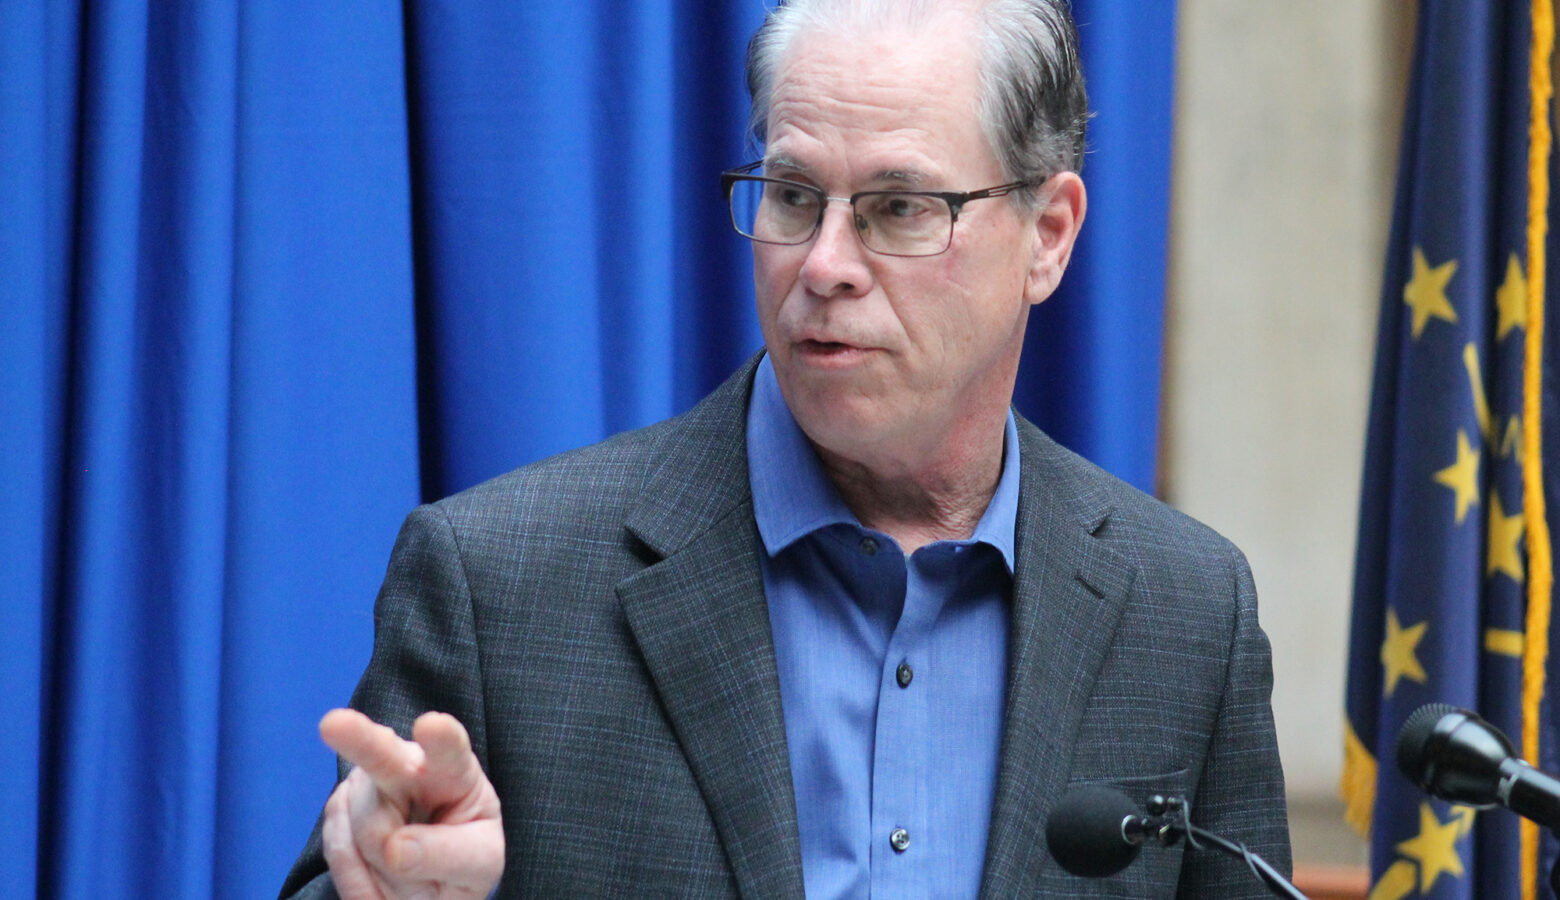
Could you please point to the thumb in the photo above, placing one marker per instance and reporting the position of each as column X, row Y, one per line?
column 468, row 857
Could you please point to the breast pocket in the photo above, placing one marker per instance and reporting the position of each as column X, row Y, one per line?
column 1155, row 870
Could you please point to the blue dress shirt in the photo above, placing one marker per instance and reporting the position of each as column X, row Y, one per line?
column 892, row 670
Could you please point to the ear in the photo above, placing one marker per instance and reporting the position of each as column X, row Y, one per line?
column 1063, row 204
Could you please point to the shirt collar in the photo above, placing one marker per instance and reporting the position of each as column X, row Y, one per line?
column 792, row 497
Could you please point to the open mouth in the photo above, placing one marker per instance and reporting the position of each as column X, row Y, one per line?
column 827, row 352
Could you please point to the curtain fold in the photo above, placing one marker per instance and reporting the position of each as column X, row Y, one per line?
column 208, row 319
column 36, row 159
column 574, row 266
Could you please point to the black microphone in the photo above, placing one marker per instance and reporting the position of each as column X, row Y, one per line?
column 1096, row 831
column 1453, row 754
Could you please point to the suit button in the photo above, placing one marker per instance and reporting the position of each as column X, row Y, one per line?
column 904, row 674
column 899, row 840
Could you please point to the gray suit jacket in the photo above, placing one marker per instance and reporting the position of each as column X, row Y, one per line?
column 597, row 620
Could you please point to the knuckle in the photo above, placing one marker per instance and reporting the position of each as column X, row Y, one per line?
column 336, row 841
column 342, row 809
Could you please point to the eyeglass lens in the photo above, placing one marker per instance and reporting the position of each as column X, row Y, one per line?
column 894, row 222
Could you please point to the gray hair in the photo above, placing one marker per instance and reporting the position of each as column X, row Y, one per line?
column 1032, row 103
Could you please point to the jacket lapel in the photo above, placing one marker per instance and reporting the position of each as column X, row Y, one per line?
column 700, row 619
column 1069, row 591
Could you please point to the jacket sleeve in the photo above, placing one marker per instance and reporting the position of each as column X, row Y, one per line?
column 1241, row 790
column 424, row 658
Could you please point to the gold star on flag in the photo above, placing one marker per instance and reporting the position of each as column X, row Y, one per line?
column 1426, row 292
column 1434, row 848
column 1397, row 652
column 1511, row 299
column 1462, row 476
column 1505, row 541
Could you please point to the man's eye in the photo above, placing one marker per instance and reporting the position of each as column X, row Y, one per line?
column 789, row 197
column 902, row 206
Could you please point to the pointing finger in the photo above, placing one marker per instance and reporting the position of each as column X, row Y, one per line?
column 370, row 746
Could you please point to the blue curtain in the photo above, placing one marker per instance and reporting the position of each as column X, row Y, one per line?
column 1092, row 355
column 271, row 273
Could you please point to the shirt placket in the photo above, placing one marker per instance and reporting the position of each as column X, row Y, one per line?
column 901, row 749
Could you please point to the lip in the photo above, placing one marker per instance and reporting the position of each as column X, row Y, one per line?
column 829, row 354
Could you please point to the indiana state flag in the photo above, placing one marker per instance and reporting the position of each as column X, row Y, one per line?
column 1453, row 575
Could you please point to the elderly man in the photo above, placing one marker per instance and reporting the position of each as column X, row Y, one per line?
column 849, row 626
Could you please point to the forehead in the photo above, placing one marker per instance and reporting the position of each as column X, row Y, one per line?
column 895, row 98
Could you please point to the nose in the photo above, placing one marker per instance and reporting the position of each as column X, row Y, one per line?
column 836, row 263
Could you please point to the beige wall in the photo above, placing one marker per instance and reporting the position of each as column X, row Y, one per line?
column 1286, row 118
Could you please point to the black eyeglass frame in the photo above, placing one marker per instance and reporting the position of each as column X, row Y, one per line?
column 954, row 199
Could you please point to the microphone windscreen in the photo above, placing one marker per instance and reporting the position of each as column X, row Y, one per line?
column 1412, row 760
column 1084, row 832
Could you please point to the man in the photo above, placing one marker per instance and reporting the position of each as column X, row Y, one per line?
column 848, row 626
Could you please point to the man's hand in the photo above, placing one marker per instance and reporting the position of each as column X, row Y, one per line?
column 413, row 819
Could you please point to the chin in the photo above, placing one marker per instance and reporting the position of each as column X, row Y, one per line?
column 842, row 423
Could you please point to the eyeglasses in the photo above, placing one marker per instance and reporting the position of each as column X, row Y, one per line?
column 894, row 223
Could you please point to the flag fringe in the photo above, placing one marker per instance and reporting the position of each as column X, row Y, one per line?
column 1540, row 565
column 1358, row 784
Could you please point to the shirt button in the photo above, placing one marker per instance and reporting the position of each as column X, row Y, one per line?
column 904, row 673
column 899, row 840
column 869, row 546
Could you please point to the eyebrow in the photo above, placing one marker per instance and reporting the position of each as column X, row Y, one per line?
column 911, row 177
column 908, row 177
column 782, row 162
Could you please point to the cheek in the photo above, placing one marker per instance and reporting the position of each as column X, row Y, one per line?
column 933, row 309
column 770, row 285
column 969, row 321
column 776, row 266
